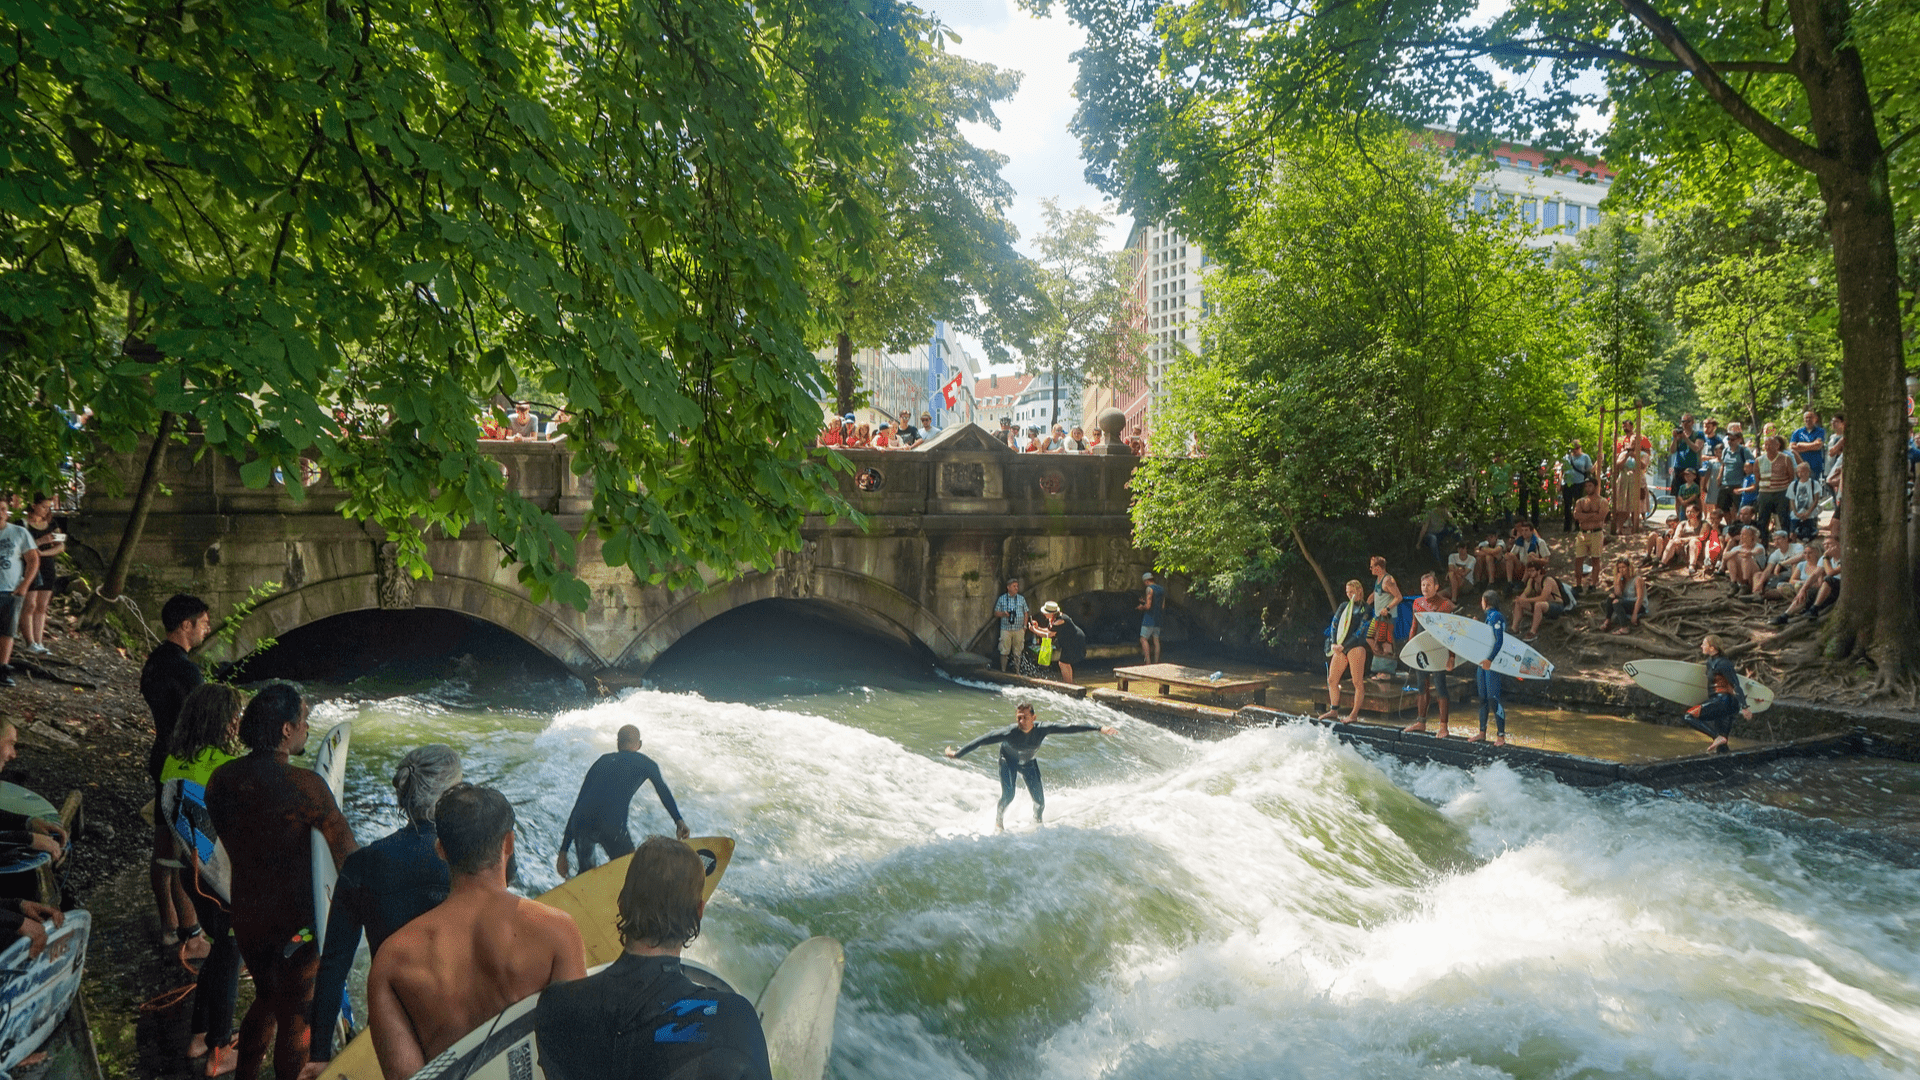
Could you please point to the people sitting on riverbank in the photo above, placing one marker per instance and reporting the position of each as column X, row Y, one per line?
column 1490, row 559
column 458, row 965
column 1461, row 567
column 1821, row 589
column 1745, row 563
column 1627, row 600
column 1529, row 550
column 22, row 836
column 383, row 887
column 1543, row 596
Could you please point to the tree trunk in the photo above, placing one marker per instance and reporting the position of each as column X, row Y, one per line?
column 843, row 372
column 1876, row 612
column 115, row 582
column 1332, row 600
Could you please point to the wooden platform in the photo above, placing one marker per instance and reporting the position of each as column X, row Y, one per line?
column 1168, row 676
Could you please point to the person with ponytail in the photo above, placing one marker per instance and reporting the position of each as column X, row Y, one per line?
column 383, row 886
column 203, row 740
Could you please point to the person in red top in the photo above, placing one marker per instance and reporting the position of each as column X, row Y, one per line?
column 263, row 810
column 1432, row 683
column 831, row 436
column 883, row 438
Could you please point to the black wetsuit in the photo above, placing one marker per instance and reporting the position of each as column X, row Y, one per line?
column 644, row 1019
column 600, row 812
column 165, row 681
column 1069, row 641
column 383, row 886
column 1017, row 750
column 1715, row 717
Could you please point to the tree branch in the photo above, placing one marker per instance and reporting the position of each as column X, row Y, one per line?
column 1558, row 48
column 1778, row 139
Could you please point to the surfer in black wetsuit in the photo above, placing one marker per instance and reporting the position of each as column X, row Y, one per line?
column 600, row 812
column 1725, row 698
column 643, row 1016
column 1018, row 745
column 383, row 887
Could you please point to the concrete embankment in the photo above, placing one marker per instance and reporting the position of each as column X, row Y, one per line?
column 1201, row 721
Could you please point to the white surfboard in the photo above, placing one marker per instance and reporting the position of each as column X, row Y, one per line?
column 1423, row 652
column 1472, row 640
column 1685, row 683
column 330, row 761
column 36, row 994
column 796, row 1012
column 796, row 1009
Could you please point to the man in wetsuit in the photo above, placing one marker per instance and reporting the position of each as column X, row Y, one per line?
column 166, row 679
column 643, row 1017
column 383, row 886
column 1726, row 698
column 600, row 810
column 1018, row 745
column 455, row 967
column 264, row 809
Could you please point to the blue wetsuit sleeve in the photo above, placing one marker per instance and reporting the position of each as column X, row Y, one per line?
column 1066, row 729
column 660, row 788
column 1498, row 624
column 336, row 962
column 988, row 739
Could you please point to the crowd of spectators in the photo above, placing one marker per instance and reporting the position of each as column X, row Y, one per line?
column 847, row 432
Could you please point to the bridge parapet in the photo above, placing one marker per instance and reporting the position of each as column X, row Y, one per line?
column 944, row 527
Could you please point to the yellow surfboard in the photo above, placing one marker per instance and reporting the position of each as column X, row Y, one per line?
column 593, row 899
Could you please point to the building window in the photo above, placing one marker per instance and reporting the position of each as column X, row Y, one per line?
column 1550, row 214
column 1503, row 159
column 1593, row 215
column 1528, row 210
column 1573, row 217
column 1480, row 201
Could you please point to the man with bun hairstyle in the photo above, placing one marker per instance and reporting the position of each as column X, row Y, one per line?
column 456, row 967
column 384, row 886
column 643, row 1016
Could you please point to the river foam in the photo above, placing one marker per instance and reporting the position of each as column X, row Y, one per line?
column 1272, row 905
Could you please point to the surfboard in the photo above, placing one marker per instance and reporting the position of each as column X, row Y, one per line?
column 330, row 761
column 1472, row 640
column 36, row 994
column 593, row 899
column 796, row 1012
column 1685, row 683
column 1423, row 652
column 796, row 1009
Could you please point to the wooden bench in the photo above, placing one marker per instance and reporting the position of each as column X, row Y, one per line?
column 1168, row 676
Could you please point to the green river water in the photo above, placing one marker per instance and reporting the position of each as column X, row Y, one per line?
column 1267, row 906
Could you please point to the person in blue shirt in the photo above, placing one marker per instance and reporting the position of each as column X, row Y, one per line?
column 1011, row 609
column 1486, row 680
column 1809, row 444
column 1152, row 604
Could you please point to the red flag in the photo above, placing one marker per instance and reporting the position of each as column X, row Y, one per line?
column 951, row 391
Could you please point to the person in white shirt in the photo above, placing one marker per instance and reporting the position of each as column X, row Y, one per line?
column 1460, row 571
column 1491, row 556
column 1822, row 587
column 19, row 565
column 1785, row 560
column 1803, row 502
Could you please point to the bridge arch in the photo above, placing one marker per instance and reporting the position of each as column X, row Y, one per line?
column 864, row 599
column 540, row 626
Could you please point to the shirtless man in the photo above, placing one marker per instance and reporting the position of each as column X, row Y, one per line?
column 1543, row 597
column 455, row 967
column 1590, row 514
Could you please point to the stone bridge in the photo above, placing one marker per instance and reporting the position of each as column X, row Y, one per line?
column 946, row 524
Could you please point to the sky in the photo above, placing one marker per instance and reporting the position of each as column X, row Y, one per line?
column 1043, row 156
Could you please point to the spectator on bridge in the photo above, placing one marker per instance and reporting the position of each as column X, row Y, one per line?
column 1077, row 441
column 883, row 436
column 1137, row 442
column 1034, row 443
column 1069, row 641
column 832, row 436
column 862, row 438
column 1011, row 608
column 904, row 433
column 523, row 425
column 1009, row 434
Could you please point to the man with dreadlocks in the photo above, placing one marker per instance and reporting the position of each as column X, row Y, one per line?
column 383, row 886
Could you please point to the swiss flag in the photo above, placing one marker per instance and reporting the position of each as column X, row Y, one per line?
column 951, row 391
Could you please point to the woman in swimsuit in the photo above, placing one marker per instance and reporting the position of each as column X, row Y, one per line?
column 1347, row 650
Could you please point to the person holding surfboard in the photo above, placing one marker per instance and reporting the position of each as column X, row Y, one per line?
column 383, row 886
column 1347, row 650
column 456, row 966
column 642, row 1016
column 1434, row 683
column 599, row 817
column 1714, row 717
column 265, row 810
column 1486, row 680
column 1019, row 746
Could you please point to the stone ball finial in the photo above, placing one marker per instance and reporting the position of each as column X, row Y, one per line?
column 1112, row 422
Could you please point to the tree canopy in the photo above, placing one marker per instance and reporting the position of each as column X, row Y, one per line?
column 248, row 214
column 1373, row 347
column 1086, row 330
column 1178, row 99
